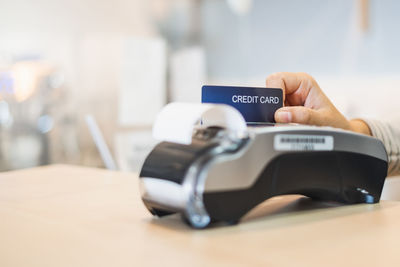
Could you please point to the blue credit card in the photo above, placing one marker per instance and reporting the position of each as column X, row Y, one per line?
column 256, row 104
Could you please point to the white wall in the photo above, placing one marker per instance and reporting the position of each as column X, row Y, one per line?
column 320, row 37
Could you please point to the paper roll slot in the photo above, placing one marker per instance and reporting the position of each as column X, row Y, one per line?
column 176, row 121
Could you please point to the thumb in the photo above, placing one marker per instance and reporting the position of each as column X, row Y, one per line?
column 298, row 114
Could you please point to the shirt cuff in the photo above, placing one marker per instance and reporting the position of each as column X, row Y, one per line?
column 390, row 139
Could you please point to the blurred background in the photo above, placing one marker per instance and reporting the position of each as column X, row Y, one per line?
column 120, row 61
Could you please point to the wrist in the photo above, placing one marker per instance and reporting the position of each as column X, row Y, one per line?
column 359, row 126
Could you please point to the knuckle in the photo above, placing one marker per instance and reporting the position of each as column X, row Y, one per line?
column 307, row 76
column 306, row 116
column 274, row 76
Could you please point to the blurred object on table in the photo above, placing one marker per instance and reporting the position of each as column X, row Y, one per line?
column 34, row 115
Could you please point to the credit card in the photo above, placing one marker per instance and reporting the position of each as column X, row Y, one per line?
column 256, row 104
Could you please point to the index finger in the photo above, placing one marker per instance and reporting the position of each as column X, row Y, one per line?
column 291, row 83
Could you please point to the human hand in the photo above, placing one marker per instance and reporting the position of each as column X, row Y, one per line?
column 305, row 103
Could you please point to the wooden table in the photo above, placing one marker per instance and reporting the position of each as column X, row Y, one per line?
column 73, row 216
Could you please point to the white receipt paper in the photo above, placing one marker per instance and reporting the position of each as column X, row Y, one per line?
column 175, row 121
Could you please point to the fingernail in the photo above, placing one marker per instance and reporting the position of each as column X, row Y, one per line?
column 283, row 116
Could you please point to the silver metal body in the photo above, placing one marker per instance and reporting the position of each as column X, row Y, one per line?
column 236, row 162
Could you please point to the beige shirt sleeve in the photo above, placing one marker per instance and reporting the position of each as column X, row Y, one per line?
column 389, row 134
